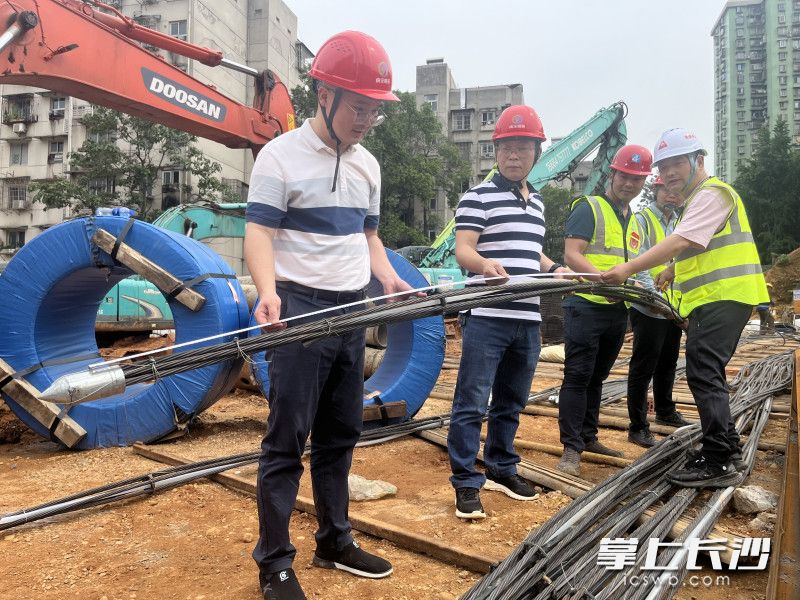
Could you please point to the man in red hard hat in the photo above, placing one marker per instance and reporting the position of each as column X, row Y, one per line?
column 594, row 326
column 656, row 338
column 311, row 243
column 499, row 233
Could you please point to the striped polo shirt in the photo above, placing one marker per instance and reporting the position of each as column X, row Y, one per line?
column 320, row 239
column 511, row 232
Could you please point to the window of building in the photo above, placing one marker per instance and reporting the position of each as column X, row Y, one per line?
column 783, row 105
column 781, row 7
column 740, row 78
column 739, row 32
column 740, row 20
column 782, row 30
column 462, row 121
column 101, row 137
column 15, row 238
column 740, row 115
column 781, row 43
column 171, row 177
column 432, row 204
column 740, row 102
column 19, row 154
column 487, row 150
column 102, row 185
column 17, row 194
column 740, row 139
column 781, row 18
column 739, row 67
column 740, row 55
column 783, row 92
column 796, row 44
column 465, row 148
column 488, row 117
column 57, row 107
column 179, row 30
column 740, row 149
column 740, row 43
column 432, row 100
column 56, row 154
column 781, row 68
column 740, row 91
column 781, row 55
column 782, row 79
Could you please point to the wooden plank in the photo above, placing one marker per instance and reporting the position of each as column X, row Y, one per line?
column 394, row 410
column 784, row 569
column 67, row 430
column 545, row 476
column 143, row 266
column 461, row 557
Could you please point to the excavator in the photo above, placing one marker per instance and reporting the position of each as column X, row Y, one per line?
column 604, row 131
column 56, row 44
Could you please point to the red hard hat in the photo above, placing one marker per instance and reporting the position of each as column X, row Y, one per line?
column 519, row 121
column 355, row 61
column 634, row 160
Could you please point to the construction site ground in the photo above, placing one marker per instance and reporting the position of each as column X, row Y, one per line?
column 194, row 542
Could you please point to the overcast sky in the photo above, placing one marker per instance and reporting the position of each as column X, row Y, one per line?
column 572, row 56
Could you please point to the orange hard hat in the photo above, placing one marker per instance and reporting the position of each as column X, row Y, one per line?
column 519, row 121
column 356, row 62
column 634, row 160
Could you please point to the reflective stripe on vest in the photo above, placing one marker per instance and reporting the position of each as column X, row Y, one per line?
column 655, row 234
column 606, row 249
column 729, row 268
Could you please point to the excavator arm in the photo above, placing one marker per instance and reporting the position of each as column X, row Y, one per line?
column 605, row 130
column 75, row 48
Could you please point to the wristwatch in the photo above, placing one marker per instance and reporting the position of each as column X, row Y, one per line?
column 554, row 266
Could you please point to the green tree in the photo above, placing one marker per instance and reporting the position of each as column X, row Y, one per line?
column 556, row 211
column 132, row 166
column 768, row 182
column 304, row 99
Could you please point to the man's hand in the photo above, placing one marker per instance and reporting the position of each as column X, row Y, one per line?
column 616, row 275
column 492, row 270
column 665, row 278
column 395, row 285
column 269, row 311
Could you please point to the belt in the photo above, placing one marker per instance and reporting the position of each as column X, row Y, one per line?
column 337, row 297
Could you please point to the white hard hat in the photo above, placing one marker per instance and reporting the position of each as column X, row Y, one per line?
column 676, row 142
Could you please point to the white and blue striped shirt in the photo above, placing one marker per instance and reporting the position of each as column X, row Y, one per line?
column 320, row 239
column 511, row 232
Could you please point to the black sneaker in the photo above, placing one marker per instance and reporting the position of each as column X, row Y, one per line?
column 282, row 585
column 739, row 462
column 512, row 486
column 674, row 420
column 701, row 473
column 598, row 448
column 353, row 560
column 643, row 438
column 468, row 504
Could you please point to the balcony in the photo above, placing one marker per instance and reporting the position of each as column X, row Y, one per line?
column 56, row 113
column 19, row 115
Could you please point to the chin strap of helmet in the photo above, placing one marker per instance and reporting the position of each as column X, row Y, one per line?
column 328, row 117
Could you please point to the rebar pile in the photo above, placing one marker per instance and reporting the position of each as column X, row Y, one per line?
column 558, row 560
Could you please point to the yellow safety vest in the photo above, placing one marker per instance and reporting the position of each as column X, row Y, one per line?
column 606, row 249
column 655, row 234
column 729, row 268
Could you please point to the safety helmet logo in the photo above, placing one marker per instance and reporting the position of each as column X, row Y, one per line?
column 662, row 145
column 636, row 158
column 383, row 69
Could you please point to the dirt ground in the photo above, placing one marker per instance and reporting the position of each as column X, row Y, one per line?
column 194, row 542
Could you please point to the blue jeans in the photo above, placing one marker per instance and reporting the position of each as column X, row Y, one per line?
column 498, row 355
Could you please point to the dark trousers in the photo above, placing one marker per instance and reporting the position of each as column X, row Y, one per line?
column 711, row 340
column 593, row 336
column 319, row 389
column 656, row 344
column 498, row 355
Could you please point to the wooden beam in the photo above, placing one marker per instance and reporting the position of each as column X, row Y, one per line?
column 372, row 412
column 461, row 557
column 67, row 430
column 140, row 264
column 784, row 569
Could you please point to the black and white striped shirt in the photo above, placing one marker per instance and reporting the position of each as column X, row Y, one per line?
column 511, row 232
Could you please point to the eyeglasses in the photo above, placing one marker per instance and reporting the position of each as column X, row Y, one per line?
column 366, row 116
column 519, row 150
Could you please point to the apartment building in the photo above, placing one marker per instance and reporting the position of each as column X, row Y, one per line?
column 467, row 116
column 756, row 76
column 40, row 128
